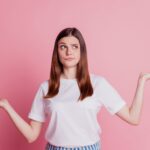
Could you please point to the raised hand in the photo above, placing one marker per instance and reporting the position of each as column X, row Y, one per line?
column 3, row 102
column 25, row 128
column 144, row 76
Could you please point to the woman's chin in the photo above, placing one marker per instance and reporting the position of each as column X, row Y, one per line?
column 70, row 65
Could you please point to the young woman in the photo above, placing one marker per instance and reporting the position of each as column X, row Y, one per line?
column 72, row 97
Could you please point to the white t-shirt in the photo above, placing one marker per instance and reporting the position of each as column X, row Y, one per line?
column 74, row 123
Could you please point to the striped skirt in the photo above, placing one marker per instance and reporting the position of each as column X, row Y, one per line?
column 95, row 146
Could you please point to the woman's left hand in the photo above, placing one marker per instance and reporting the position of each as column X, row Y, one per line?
column 144, row 76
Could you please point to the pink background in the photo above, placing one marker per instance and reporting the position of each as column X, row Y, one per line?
column 117, row 35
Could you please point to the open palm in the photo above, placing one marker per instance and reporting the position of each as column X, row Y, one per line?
column 145, row 76
column 3, row 102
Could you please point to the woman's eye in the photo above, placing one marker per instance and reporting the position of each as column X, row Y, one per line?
column 75, row 46
column 62, row 46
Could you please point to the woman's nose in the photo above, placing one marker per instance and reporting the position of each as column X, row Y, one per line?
column 69, row 50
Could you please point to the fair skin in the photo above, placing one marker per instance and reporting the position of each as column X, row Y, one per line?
column 132, row 114
column 69, row 47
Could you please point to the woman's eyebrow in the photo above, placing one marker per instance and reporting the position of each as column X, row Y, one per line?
column 74, row 44
column 61, row 43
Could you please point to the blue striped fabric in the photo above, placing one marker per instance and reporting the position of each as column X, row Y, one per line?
column 95, row 146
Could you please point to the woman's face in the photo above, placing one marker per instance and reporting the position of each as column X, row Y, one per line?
column 69, row 51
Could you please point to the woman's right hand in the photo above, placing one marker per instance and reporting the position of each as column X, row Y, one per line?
column 3, row 102
column 29, row 130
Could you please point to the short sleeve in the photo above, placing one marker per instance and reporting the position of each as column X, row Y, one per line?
column 109, row 96
column 37, row 111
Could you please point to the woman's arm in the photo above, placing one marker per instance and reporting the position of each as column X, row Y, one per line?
column 30, row 131
column 132, row 114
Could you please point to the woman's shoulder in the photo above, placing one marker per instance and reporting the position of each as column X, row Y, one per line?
column 95, row 76
column 44, row 85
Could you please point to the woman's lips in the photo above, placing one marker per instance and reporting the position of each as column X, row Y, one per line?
column 69, row 59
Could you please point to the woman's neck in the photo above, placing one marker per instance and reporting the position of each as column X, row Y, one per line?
column 69, row 73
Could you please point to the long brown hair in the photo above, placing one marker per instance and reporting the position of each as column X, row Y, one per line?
column 82, row 73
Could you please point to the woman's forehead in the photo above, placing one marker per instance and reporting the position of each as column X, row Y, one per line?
column 68, row 40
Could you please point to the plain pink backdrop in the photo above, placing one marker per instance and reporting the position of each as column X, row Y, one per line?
column 117, row 35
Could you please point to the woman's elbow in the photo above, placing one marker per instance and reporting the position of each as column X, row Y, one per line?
column 32, row 138
column 135, row 123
